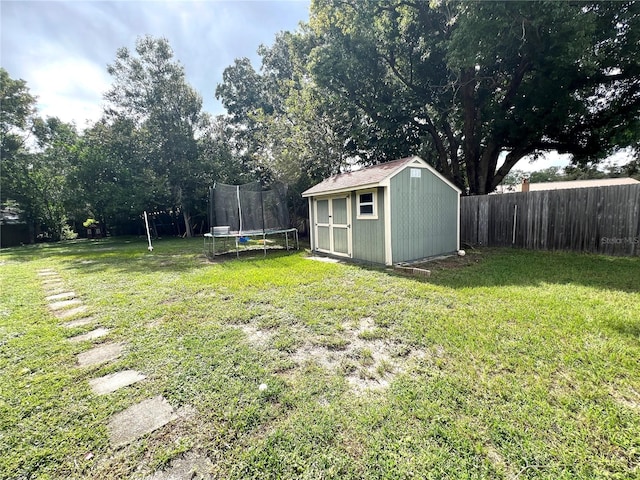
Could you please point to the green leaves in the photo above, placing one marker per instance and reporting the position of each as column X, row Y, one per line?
column 150, row 90
column 463, row 82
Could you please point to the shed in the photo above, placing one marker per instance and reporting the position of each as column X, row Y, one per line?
column 394, row 212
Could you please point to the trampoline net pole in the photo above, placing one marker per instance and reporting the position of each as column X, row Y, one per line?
column 239, row 209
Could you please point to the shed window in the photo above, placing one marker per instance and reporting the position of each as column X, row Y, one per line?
column 367, row 206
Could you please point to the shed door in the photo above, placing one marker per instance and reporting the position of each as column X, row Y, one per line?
column 333, row 225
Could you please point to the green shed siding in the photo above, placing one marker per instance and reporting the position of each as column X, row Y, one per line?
column 368, row 235
column 424, row 216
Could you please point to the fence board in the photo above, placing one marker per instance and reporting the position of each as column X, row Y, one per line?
column 598, row 220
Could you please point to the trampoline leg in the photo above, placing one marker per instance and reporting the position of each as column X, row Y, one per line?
column 264, row 243
column 286, row 236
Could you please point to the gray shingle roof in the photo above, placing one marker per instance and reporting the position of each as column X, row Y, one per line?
column 359, row 178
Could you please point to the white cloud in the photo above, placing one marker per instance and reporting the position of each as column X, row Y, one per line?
column 62, row 48
column 70, row 89
column 546, row 160
column 561, row 160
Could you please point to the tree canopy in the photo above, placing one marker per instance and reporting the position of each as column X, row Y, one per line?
column 150, row 89
column 472, row 87
column 154, row 149
column 471, row 80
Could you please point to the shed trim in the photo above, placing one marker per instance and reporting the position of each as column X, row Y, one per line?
column 388, row 250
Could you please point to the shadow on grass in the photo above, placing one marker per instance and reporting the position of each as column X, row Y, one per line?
column 479, row 268
column 131, row 254
column 505, row 267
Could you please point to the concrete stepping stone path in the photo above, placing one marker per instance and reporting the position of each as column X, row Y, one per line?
column 137, row 420
column 61, row 314
column 140, row 419
column 61, row 296
column 191, row 466
column 55, row 288
column 114, row 381
column 47, row 273
column 64, row 304
column 101, row 354
column 92, row 335
column 81, row 322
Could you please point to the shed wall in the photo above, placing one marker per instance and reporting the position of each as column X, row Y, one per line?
column 368, row 235
column 424, row 216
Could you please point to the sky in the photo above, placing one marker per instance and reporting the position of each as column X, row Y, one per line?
column 62, row 48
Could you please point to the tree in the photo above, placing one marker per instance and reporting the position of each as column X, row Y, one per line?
column 281, row 122
column 113, row 176
column 150, row 89
column 464, row 82
column 39, row 180
column 549, row 174
column 17, row 109
column 37, row 160
column 281, row 125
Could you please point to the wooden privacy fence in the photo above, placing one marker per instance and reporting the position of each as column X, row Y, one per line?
column 598, row 219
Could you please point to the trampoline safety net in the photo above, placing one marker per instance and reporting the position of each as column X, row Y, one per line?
column 249, row 207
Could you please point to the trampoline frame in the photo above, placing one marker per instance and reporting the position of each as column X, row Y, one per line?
column 210, row 239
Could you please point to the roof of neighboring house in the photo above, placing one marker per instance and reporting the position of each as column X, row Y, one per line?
column 598, row 182
column 367, row 177
column 9, row 215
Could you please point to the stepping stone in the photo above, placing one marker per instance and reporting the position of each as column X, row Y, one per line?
column 81, row 322
column 50, row 281
column 61, row 296
column 101, row 354
column 71, row 312
column 92, row 335
column 65, row 304
column 111, row 383
column 140, row 419
column 192, row 466
column 47, row 273
column 58, row 289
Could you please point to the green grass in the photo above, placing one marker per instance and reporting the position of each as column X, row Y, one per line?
column 503, row 364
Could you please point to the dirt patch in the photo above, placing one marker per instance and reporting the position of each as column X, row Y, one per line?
column 629, row 399
column 449, row 262
column 361, row 353
column 255, row 336
column 498, row 461
column 367, row 364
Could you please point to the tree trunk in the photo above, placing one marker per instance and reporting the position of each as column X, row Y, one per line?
column 187, row 225
column 32, row 231
column 470, row 133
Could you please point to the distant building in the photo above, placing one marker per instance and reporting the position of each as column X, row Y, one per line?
column 525, row 186
column 13, row 229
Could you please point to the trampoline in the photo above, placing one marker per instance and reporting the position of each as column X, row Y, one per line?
column 248, row 215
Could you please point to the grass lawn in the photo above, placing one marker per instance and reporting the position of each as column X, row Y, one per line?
column 503, row 364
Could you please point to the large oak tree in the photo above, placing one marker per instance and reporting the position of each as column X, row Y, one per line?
column 478, row 86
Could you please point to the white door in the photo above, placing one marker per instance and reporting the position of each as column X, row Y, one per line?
column 333, row 225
